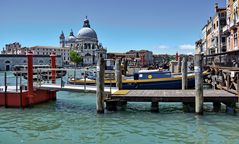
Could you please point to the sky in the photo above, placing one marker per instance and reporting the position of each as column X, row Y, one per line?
column 161, row 26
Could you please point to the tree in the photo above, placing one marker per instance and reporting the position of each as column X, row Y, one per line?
column 75, row 58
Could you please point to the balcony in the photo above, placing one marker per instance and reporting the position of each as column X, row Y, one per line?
column 233, row 24
column 226, row 29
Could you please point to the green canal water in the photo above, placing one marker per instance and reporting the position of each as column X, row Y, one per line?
column 72, row 119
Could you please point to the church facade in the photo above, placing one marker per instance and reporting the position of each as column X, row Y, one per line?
column 86, row 44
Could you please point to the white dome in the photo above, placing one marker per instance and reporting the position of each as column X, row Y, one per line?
column 87, row 32
column 71, row 38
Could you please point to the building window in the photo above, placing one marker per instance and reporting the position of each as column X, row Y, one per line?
column 7, row 61
column 223, row 39
column 235, row 39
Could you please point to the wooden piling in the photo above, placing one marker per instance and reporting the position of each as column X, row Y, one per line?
column 21, row 96
column 100, row 85
column 179, row 65
column 16, row 81
column 198, row 84
column 118, row 74
column 5, row 90
column 238, row 84
column 61, row 79
column 85, row 81
column 184, row 73
column 20, row 79
column 154, row 107
column 216, row 106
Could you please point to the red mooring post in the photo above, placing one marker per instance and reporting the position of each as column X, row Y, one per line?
column 30, row 75
column 53, row 66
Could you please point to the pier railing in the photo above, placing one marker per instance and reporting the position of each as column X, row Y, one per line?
column 79, row 78
column 223, row 71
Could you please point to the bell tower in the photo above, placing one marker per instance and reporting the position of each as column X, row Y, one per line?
column 62, row 39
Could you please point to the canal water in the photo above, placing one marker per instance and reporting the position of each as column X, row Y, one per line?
column 72, row 119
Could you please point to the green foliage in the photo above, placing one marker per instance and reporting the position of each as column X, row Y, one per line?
column 75, row 58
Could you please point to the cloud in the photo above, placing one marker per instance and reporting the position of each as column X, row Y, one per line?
column 187, row 47
column 162, row 47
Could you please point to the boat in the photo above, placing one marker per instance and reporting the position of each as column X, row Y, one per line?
column 43, row 70
column 146, row 79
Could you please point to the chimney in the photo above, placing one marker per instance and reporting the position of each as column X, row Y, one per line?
column 216, row 7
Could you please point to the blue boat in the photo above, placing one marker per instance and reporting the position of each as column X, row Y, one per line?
column 147, row 79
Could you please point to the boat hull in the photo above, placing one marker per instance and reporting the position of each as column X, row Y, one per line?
column 141, row 84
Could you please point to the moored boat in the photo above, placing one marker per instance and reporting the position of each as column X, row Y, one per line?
column 44, row 71
column 147, row 79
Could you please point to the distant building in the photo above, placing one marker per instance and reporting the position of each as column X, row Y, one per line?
column 46, row 50
column 143, row 57
column 86, row 44
column 232, row 27
column 8, row 61
column 14, row 48
column 213, row 37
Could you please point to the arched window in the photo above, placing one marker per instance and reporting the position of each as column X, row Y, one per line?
column 7, row 61
column 40, row 62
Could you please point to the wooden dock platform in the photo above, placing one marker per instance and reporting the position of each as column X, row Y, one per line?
column 173, row 96
column 155, row 96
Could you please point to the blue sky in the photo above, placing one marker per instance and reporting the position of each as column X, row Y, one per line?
column 161, row 26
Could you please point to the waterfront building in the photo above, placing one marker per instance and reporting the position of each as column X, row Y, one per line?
column 85, row 43
column 8, row 61
column 14, row 48
column 46, row 50
column 213, row 37
column 232, row 27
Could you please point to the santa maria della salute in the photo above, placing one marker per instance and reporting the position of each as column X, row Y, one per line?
column 85, row 43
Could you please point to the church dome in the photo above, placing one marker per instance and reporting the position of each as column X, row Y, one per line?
column 71, row 37
column 86, row 32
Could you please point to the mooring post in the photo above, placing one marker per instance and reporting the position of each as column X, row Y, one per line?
column 5, row 90
column 110, row 82
column 184, row 73
column 198, row 84
column 40, row 78
column 85, row 81
column 61, row 78
column 20, row 96
column 16, row 81
column 30, row 76
column 216, row 106
column 20, row 78
column 154, row 106
column 100, row 85
column 37, row 77
column 48, row 75
column 238, row 84
column 118, row 74
column 53, row 67
column 179, row 64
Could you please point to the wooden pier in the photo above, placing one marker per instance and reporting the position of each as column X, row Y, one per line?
column 155, row 96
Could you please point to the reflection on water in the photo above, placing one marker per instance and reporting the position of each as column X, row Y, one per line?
column 73, row 119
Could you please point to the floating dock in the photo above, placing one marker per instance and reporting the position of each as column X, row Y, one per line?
column 17, row 98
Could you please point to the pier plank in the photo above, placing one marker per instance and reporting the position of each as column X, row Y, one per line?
column 175, row 96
